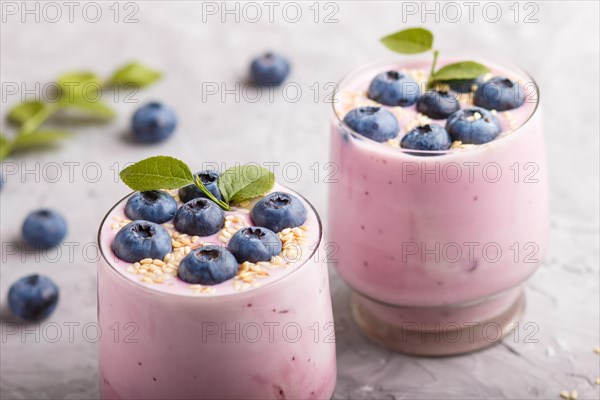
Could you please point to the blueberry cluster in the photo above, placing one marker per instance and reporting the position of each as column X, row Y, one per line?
column 474, row 125
column 144, row 237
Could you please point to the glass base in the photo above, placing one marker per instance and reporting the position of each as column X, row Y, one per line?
column 439, row 331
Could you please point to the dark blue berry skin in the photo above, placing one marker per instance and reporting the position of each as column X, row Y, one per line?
column 464, row 85
column 44, row 228
column 394, row 88
column 153, row 123
column 33, row 297
column 199, row 217
column 277, row 211
column 269, row 69
column 208, row 265
column 431, row 137
column 210, row 179
column 462, row 126
column 375, row 123
column 141, row 239
column 437, row 104
column 500, row 94
column 154, row 206
column 254, row 244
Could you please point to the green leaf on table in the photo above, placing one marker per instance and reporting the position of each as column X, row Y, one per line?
column 135, row 74
column 409, row 41
column 5, row 147
column 23, row 112
column 245, row 182
column 39, row 139
column 97, row 108
column 159, row 172
column 460, row 70
column 74, row 85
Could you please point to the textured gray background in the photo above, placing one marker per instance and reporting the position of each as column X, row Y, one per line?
column 560, row 50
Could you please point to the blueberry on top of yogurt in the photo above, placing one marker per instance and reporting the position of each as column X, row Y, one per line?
column 208, row 265
column 210, row 180
column 474, row 125
column 278, row 211
column 375, row 123
column 393, row 88
column 254, row 244
column 438, row 104
column 201, row 217
column 141, row 239
column 426, row 137
column 500, row 94
column 155, row 206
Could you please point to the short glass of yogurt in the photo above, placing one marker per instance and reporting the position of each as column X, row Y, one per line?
column 436, row 244
column 265, row 333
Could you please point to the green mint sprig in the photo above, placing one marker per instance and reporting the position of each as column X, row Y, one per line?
column 420, row 40
column 236, row 184
column 78, row 91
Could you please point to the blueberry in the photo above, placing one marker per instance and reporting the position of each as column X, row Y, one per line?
column 473, row 125
column 278, row 211
column 269, row 69
column 210, row 179
column 437, row 104
column 141, row 239
column 44, row 229
column 208, row 265
column 394, row 88
column 426, row 137
column 153, row 122
column 33, row 297
column 375, row 123
column 154, row 206
column 254, row 244
column 500, row 94
column 199, row 217
column 464, row 85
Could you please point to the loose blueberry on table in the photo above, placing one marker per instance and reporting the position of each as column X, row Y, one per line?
column 33, row 297
column 270, row 69
column 153, row 123
column 44, row 228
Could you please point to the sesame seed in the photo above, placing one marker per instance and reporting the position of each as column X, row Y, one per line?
column 146, row 261
column 564, row 394
column 597, row 350
column 574, row 394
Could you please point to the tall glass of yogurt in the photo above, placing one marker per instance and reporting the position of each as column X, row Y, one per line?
column 436, row 245
column 265, row 334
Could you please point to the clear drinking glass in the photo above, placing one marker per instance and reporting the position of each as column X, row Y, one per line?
column 271, row 342
column 436, row 246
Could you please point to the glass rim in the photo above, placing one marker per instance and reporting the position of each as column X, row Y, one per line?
column 345, row 79
column 193, row 295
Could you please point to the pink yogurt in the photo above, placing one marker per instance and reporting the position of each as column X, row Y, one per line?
column 166, row 341
column 430, row 239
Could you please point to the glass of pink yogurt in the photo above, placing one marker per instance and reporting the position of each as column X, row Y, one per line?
column 437, row 244
column 265, row 334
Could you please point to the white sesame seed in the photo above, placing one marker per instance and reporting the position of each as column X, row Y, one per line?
column 146, row 261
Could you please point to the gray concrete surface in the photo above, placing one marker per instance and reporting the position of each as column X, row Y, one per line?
column 193, row 47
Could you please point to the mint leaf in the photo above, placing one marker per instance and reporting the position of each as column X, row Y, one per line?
column 74, row 85
column 21, row 113
column 245, row 182
column 5, row 147
column 38, row 139
column 409, row 41
column 135, row 74
column 460, row 70
column 97, row 108
column 154, row 173
column 37, row 119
